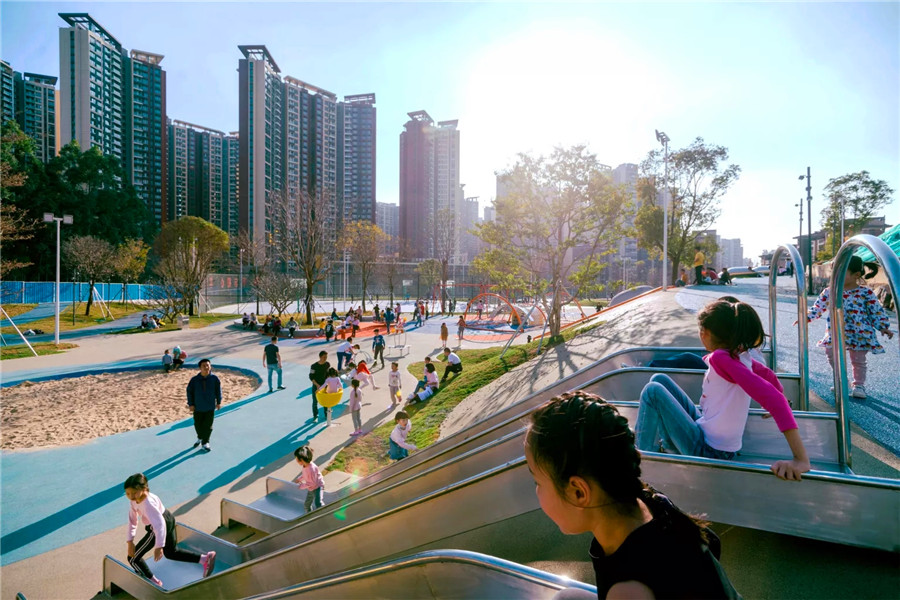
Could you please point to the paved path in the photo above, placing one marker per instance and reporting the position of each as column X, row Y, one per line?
column 127, row 322
column 41, row 311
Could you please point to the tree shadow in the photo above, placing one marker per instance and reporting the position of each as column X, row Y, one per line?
column 35, row 531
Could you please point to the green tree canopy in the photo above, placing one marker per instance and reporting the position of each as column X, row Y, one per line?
column 862, row 198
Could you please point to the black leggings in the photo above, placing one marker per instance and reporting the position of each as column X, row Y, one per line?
column 169, row 550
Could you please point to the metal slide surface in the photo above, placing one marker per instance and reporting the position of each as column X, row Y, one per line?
column 397, row 521
column 434, row 574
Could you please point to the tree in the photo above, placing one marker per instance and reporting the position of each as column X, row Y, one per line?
column 363, row 240
column 253, row 252
column 862, row 198
column 278, row 289
column 697, row 180
column 558, row 218
column 91, row 257
column 131, row 262
column 429, row 272
column 304, row 236
column 17, row 163
column 445, row 241
column 185, row 251
column 390, row 270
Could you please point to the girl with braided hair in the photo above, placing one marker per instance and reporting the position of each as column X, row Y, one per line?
column 667, row 417
column 587, row 474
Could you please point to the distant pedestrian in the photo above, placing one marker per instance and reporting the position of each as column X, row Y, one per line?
column 318, row 373
column 310, row 479
column 178, row 356
column 329, row 330
column 292, row 327
column 444, row 334
column 167, row 361
column 460, row 329
column 354, row 403
column 699, row 259
column 204, row 397
column 479, row 308
column 388, row 319
column 395, row 384
column 399, row 447
column 272, row 361
column 161, row 532
column 378, row 348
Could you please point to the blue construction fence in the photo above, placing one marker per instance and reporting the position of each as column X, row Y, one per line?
column 36, row 292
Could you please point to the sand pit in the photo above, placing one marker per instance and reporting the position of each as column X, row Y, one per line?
column 77, row 409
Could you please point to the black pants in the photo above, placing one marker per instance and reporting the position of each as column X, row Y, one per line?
column 203, row 422
column 378, row 351
column 315, row 402
column 698, row 275
column 457, row 368
column 169, row 550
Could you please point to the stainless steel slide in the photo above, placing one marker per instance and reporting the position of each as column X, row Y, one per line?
column 864, row 519
column 434, row 574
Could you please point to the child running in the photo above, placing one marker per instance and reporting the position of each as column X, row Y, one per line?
column 399, row 447
column 355, row 406
column 728, row 331
column 364, row 375
column 587, row 473
column 160, row 533
column 394, row 385
column 310, row 479
column 863, row 316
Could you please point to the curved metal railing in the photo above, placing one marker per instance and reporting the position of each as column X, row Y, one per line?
column 802, row 325
column 891, row 265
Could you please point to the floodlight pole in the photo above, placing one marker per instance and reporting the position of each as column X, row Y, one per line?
column 68, row 220
column 809, row 290
column 663, row 139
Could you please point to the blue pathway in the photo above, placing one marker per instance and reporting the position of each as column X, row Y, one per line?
column 41, row 311
column 58, row 496
column 879, row 414
column 129, row 322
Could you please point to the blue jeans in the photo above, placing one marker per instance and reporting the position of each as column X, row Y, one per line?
column 685, row 360
column 667, row 415
column 342, row 356
column 274, row 369
column 314, row 497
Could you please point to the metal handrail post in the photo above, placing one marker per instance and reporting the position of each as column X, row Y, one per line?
column 891, row 265
column 802, row 324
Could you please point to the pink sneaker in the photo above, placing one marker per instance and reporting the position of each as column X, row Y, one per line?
column 156, row 580
column 208, row 561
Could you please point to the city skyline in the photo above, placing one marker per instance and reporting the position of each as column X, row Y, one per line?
column 762, row 79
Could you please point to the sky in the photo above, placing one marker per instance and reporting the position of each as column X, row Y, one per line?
column 783, row 85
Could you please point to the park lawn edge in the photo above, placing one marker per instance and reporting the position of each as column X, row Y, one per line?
column 119, row 310
column 367, row 454
column 42, row 348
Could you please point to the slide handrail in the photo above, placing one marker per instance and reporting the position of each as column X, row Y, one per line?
column 802, row 325
column 891, row 265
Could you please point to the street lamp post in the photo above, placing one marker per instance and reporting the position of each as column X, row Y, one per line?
column 67, row 219
column 809, row 285
column 663, row 139
column 241, row 280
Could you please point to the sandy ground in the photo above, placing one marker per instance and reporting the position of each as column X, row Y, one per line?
column 75, row 410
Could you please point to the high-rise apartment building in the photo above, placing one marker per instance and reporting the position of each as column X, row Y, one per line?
column 7, row 93
column 36, row 99
column 429, row 183
column 288, row 144
column 356, row 158
column 469, row 243
column 117, row 102
column 387, row 217
column 731, row 253
column 202, row 167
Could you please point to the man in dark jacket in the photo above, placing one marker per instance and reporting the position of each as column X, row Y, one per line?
column 204, row 396
column 318, row 373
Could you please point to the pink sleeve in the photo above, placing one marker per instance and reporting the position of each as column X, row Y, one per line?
column 767, row 374
column 772, row 400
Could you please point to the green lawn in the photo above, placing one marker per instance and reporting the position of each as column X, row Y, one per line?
column 369, row 453
column 118, row 310
column 196, row 322
column 42, row 348
column 14, row 310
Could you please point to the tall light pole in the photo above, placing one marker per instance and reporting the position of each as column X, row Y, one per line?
column 241, row 280
column 68, row 220
column 663, row 139
column 809, row 285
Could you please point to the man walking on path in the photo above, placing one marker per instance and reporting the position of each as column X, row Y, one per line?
column 699, row 259
column 378, row 348
column 454, row 364
column 388, row 319
column 318, row 373
column 204, row 396
column 272, row 361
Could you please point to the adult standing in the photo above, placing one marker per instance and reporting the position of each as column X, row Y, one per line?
column 318, row 373
column 272, row 361
column 204, row 397
column 699, row 259
column 388, row 319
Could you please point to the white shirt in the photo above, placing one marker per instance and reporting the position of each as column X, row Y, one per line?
column 725, row 407
column 394, row 378
column 399, row 436
column 345, row 347
column 431, row 379
column 150, row 512
column 453, row 359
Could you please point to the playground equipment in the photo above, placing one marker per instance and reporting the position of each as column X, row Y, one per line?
column 329, row 400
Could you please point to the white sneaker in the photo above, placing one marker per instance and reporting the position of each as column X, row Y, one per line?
column 206, row 447
column 858, row 391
